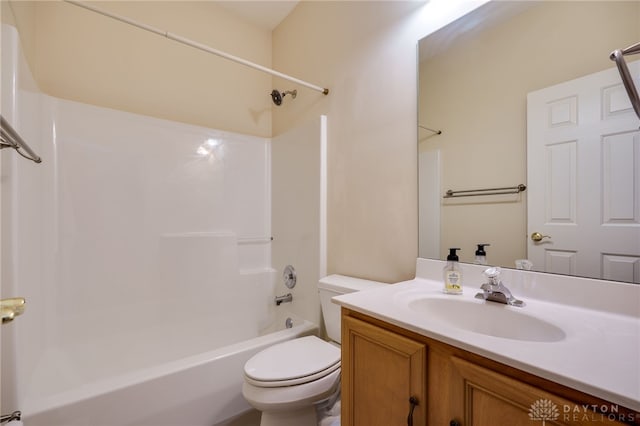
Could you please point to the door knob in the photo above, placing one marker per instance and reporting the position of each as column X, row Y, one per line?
column 537, row 237
column 11, row 308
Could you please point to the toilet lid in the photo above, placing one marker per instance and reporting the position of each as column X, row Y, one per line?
column 293, row 359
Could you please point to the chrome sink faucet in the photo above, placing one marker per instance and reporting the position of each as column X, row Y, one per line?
column 494, row 290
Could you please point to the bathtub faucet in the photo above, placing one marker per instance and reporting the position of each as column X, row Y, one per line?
column 282, row 299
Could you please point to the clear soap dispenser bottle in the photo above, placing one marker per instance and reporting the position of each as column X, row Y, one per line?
column 481, row 255
column 452, row 273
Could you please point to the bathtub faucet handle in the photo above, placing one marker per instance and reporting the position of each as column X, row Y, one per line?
column 282, row 299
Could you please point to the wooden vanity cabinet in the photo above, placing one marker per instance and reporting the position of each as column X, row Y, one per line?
column 385, row 380
column 383, row 366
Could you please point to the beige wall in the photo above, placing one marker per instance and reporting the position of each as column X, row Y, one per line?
column 364, row 52
column 296, row 207
column 481, row 109
column 82, row 56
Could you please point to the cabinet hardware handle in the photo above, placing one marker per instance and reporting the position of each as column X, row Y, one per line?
column 413, row 401
column 454, row 423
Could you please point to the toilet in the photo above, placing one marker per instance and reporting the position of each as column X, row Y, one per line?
column 287, row 381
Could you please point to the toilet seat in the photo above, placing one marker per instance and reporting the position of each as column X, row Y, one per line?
column 293, row 362
column 291, row 397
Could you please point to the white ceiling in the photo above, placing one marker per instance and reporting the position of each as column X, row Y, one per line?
column 266, row 14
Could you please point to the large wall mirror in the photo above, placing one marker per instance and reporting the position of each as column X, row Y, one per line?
column 524, row 93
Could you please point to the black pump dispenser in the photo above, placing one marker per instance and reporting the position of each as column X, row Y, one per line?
column 481, row 255
column 453, row 255
column 480, row 251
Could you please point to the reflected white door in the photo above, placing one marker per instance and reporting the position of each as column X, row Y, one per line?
column 583, row 173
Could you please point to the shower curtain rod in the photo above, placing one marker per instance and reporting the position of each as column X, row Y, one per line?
column 197, row 45
column 437, row 132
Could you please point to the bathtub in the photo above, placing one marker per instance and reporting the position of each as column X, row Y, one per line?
column 198, row 390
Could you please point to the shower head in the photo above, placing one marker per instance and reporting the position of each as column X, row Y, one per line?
column 277, row 97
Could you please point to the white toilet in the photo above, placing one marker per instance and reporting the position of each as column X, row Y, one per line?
column 288, row 380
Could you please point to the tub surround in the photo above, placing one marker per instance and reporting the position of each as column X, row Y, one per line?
column 598, row 355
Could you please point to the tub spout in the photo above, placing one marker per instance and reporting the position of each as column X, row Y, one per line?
column 282, row 299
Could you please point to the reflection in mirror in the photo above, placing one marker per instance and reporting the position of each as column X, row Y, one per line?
column 525, row 93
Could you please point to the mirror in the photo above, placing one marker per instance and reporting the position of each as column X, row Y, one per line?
column 475, row 76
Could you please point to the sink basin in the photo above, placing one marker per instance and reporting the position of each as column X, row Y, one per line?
column 488, row 318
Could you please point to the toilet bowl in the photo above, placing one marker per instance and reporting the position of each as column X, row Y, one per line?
column 289, row 380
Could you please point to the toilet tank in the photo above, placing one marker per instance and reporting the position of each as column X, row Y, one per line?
column 335, row 285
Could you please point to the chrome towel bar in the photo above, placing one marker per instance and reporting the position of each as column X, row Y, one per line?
column 627, row 79
column 486, row 191
column 9, row 138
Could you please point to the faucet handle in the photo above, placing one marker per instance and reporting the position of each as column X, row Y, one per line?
column 493, row 275
column 492, row 272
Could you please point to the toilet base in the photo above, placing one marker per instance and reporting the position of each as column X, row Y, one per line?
column 300, row 417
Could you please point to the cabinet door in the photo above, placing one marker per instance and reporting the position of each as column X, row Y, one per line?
column 381, row 372
column 486, row 397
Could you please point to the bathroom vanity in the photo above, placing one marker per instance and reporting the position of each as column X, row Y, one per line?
column 411, row 355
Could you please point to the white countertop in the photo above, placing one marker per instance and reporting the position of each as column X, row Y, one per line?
column 599, row 355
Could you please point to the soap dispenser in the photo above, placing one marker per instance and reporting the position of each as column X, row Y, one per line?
column 481, row 255
column 452, row 273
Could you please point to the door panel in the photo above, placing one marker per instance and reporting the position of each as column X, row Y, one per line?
column 381, row 371
column 583, row 154
column 489, row 398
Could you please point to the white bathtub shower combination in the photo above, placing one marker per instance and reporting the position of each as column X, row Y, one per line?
column 143, row 249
